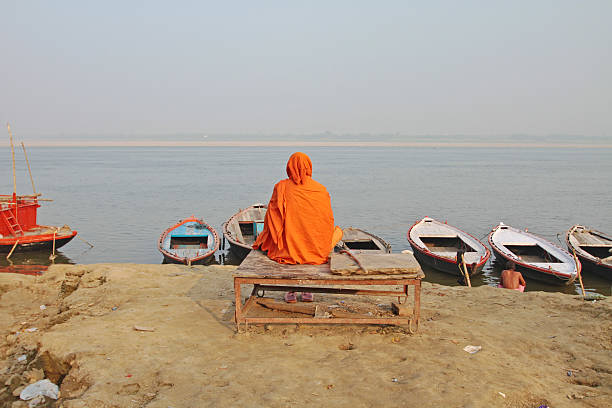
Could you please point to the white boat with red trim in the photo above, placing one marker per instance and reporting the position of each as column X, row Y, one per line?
column 190, row 241
column 534, row 256
column 436, row 245
column 593, row 248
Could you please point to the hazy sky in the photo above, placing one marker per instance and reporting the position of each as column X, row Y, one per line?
column 443, row 67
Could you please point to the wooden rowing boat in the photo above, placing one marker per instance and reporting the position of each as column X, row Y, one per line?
column 534, row 256
column 593, row 248
column 190, row 241
column 436, row 244
column 242, row 228
column 360, row 241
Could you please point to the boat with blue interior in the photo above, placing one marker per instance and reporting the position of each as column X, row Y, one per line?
column 190, row 241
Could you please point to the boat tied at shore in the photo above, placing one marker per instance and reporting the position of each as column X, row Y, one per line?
column 593, row 248
column 359, row 241
column 190, row 241
column 534, row 256
column 19, row 230
column 241, row 229
column 436, row 245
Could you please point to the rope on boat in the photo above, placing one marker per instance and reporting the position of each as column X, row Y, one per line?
column 91, row 245
column 29, row 169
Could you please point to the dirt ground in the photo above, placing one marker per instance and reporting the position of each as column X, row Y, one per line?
column 126, row 335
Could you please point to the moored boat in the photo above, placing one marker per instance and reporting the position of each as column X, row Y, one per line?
column 436, row 245
column 593, row 248
column 360, row 241
column 19, row 230
column 534, row 256
column 241, row 229
column 190, row 241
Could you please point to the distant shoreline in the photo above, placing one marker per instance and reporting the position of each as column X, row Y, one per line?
column 295, row 143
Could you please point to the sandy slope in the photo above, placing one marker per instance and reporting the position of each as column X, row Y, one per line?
column 85, row 339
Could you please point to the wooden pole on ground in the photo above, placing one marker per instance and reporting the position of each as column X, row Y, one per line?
column 52, row 256
column 578, row 268
column 12, row 249
column 29, row 169
column 465, row 271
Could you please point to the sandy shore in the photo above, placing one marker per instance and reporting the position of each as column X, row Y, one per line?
column 537, row 348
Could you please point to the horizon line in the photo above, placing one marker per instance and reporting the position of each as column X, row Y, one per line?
column 298, row 143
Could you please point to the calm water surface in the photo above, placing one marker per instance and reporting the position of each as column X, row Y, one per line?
column 121, row 199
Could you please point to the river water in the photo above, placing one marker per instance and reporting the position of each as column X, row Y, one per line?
column 122, row 198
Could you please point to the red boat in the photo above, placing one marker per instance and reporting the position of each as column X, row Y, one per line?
column 19, row 230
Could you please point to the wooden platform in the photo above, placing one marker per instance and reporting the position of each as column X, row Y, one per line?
column 267, row 275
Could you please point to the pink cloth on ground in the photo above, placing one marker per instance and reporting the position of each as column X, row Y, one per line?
column 521, row 288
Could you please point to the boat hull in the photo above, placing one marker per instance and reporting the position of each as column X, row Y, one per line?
column 441, row 264
column 40, row 244
column 239, row 251
column 530, row 272
column 207, row 260
column 597, row 268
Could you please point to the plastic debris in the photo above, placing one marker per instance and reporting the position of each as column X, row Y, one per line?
column 114, row 308
column 22, row 358
column 43, row 307
column 43, row 388
column 502, row 394
column 569, row 373
column 31, row 329
column 472, row 349
column 394, row 380
column 36, row 401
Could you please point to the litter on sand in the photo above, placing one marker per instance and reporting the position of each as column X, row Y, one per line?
column 472, row 349
column 40, row 388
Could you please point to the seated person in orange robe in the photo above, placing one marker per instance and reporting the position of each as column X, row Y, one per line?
column 299, row 224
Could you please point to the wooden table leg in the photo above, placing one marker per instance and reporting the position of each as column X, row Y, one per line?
column 238, row 302
column 417, row 303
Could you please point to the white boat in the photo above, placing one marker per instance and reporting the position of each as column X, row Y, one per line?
column 436, row 244
column 534, row 256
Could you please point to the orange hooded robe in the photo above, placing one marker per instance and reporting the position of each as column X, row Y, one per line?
column 299, row 223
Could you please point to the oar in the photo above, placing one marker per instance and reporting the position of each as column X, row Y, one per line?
column 578, row 272
column 467, row 274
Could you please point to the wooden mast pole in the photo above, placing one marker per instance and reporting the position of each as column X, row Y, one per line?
column 29, row 169
column 14, row 173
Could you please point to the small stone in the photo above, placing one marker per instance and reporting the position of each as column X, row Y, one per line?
column 144, row 329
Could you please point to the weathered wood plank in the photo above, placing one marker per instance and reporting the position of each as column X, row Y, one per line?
column 257, row 264
column 375, row 264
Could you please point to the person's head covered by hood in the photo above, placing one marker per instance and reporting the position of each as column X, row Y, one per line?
column 299, row 167
column 299, row 223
